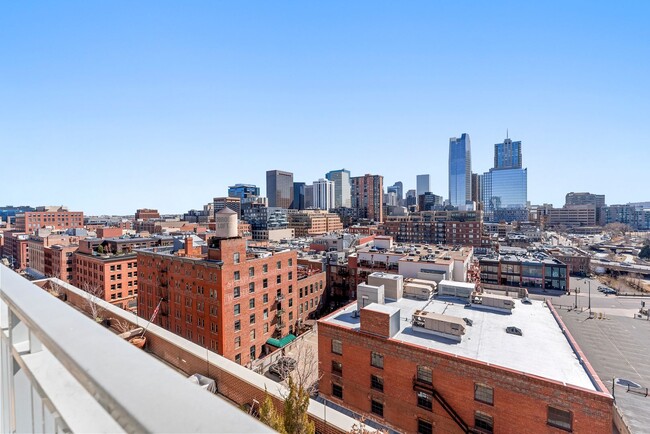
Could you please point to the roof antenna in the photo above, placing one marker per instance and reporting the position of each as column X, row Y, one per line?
column 507, row 137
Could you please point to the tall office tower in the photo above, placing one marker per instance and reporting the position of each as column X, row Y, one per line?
column 390, row 198
column 309, row 196
column 504, row 189
column 368, row 195
column 411, row 198
column 460, row 170
column 423, row 185
column 233, row 203
column 507, row 155
column 279, row 188
column 398, row 189
column 323, row 194
column 476, row 188
column 341, row 179
column 244, row 191
column 299, row 195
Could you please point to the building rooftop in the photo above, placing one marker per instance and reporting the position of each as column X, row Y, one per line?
column 542, row 350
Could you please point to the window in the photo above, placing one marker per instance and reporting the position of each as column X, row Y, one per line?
column 377, row 408
column 425, row 401
column 483, row 393
column 265, row 298
column 337, row 346
column 337, row 391
column 425, row 427
column 237, row 292
column 483, row 422
column 290, row 275
column 251, row 271
column 251, row 318
column 278, row 279
column 235, row 257
column 265, row 268
column 251, row 287
column 377, row 383
column 290, row 287
column 238, row 358
column 377, row 360
column 337, row 368
column 251, row 303
column 266, row 328
column 425, row 374
column 237, row 309
column 252, row 352
column 291, row 302
column 266, row 314
column 236, row 275
column 279, row 264
column 265, row 283
column 237, row 342
column 237, row 325
column 251, row 335
column 560, row 418
column 290, row 262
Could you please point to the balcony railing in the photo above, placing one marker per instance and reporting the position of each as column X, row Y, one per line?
column 62, row 372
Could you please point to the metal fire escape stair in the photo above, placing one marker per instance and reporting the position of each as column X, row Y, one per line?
column 426, row 387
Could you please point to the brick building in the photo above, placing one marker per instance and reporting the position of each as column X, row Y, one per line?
column 59, row 262
column 109, row 268
column 147, row 214
column 308, row 223
column 368, row 196
column 577, row 261
column 16, row 249
column 232, row 300
column 449, row 368
column 49, row 216
column 437, row 227
column 40, row 253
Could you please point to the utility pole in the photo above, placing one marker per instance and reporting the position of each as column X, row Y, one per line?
column 589, row 282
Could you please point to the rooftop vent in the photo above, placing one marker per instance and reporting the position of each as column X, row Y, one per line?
column 514, row 331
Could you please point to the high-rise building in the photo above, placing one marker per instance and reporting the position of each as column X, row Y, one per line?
column 398, row 189
column 411, row 198
column 504, row 189
column 460, row 170
column 342, row 195
column 368, row 195
column 476, row 188
column 323, row 194
column 507, row 155
column 279, row 188
column 244, row 191
column 423, row 184
column 299, row 195
column 429, row 201
column 233, row 203
column 597, row 200
column 309, row 196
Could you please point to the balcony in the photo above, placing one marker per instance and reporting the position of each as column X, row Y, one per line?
column 90, row 380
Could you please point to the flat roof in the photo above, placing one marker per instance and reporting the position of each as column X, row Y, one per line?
column 542, row 350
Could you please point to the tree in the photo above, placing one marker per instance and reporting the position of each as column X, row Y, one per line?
column 94, row 293
column 296, row 404
column 270, row 416
column 645, row 251
column 100, row 249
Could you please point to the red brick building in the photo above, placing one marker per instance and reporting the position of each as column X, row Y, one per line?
column 49, row 216
column 147, row 214
column 16, row 249
column 59, row 261
column 463, row 376
column 231, row 300
column 109, row 269
column 368, row 196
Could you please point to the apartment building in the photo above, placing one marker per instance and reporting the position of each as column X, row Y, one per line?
column 309, row 223
column 49, row 216
column 367, row 196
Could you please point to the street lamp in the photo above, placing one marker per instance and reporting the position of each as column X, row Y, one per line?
column 589, row 282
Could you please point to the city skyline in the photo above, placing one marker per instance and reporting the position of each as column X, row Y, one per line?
column 99, row 99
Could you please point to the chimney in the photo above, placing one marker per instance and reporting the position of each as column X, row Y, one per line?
column 189, row 244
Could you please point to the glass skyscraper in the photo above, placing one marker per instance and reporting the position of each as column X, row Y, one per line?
column 507, row 155
column 279, row 188
column 505, row 187
column 342, row 193
column 460, row 170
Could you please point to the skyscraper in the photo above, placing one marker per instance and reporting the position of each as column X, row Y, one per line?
column 341, row 179
column 460, row 170
column 323, row 194
column 507, row 155
column 279, row 188
column 504, row 188
column 422, row 184
column 244, row 191
column 398, row 189
column 299, row 195
column 368, row 195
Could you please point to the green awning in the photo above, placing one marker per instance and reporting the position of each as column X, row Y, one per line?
column 281, row 342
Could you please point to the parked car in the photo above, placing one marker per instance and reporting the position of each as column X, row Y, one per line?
column 283, row 367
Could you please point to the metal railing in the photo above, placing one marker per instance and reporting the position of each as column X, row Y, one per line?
column 61, row 371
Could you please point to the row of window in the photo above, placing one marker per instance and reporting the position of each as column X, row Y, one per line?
column 555, row 417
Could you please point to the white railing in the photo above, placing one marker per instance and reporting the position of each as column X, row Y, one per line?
column 62, row 372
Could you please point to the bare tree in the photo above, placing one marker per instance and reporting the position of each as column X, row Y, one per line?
column 94, row 293
column 306, row 373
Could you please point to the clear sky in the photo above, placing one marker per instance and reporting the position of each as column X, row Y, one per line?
column 109, row 106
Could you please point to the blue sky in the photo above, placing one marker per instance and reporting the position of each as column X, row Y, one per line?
column 110, row 106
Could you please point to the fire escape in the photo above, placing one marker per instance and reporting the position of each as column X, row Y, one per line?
column 163, row 296
column 426, row 387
